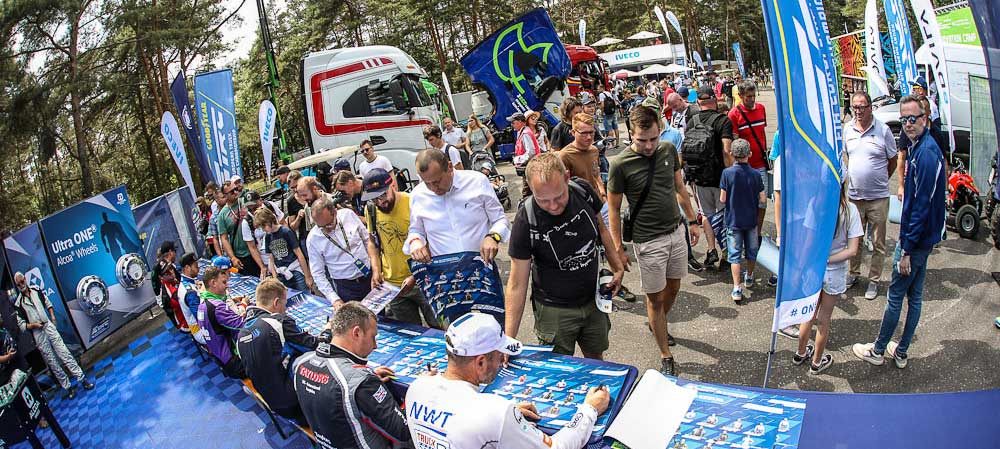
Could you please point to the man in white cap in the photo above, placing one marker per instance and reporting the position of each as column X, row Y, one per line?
column 449, row 411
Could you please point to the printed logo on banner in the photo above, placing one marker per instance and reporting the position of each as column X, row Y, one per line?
column 32, row 403
column 101, row 327
column 34, row 279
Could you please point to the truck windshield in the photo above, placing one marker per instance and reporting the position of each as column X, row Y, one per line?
column 417, row 91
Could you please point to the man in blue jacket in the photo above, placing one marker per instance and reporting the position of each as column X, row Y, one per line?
column 920, row 229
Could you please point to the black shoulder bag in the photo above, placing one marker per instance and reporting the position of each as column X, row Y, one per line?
column 628, row 224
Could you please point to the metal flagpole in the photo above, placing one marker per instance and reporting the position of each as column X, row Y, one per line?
column 272, row 81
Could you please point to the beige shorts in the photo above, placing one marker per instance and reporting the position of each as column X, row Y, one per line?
column 662, row 258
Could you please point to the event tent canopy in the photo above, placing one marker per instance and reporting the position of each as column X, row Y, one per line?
column 643, row 35
column 624, row 74
column 605, row 41
column 677, row 68
column 655, row 69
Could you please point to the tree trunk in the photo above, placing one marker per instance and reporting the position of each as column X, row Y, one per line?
column 82, row 156
column 154, row 163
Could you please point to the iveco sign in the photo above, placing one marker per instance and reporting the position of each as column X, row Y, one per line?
column 645, row 55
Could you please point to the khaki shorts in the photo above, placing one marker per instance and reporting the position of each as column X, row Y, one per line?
column 662, row 258
column 564, row 327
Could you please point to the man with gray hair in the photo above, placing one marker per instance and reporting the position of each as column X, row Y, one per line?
column 338, row 246
column 345, row 401
column 35, row 314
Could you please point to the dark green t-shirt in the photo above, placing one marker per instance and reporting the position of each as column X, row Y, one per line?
column 659, row 213
column 229, row 224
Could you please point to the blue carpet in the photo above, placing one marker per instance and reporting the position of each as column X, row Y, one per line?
column 157, row 393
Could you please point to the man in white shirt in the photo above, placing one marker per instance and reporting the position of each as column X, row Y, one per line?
column 373, row 161
column 338, row 245
column 449, row 411
column 432, row 134
column 871, row 150
column 453, row 135
column 453, row 211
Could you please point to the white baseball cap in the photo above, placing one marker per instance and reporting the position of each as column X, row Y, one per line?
column 477, row 334
column 236, row 178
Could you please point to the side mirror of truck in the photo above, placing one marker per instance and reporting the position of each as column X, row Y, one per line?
column 377, row 140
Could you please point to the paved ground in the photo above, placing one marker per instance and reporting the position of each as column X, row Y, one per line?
column 956, row 347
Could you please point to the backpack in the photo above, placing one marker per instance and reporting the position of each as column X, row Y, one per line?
column 701, row 163
column 609, row 106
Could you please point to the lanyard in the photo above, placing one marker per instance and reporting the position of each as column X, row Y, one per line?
column 334, row 242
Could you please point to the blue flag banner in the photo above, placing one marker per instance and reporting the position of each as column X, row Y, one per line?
column 26, row 255
column 697, row 59
column 455, row 284
column 739, row 59
column 213, row 97
column 806, row 91
column 902, row 44
column 186, row 115
column 708, row 58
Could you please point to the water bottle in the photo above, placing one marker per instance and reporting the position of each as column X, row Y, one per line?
column 604, row 290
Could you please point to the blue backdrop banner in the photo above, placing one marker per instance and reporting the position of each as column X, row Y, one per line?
column 902, row 44
column 95, row 249
column 167, row 219
column 186, row 116
column 811, row 150
column 213, row 97
column 26, row 254
column 456, row 284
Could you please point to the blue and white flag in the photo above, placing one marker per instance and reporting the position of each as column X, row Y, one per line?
column 216, row 105
column 874, row 64
column 739, row 59
column 708, row 58
column 673, row 21
column 809, row 120
column 178, row 89
column 931, row 32
column 902, row 44
column 172, row 136
column 583, row 32
column 697, row 59
column 266, row 119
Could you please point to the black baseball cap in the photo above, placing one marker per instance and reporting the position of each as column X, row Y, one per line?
column 375, row 183
column 167, row 247
column 250, row 196
column 516, row 116
column 706, row 93
column 341, row 164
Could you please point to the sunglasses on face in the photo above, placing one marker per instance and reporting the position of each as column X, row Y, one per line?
column 911, row 119
column 860, row 108
column 584, row 133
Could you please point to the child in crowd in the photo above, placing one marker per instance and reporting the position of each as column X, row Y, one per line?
column 845, row 246
column 742, row 192
column 286, row 261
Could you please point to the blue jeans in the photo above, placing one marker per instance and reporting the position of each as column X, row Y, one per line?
column 742, row 241
column 912, row 287
column 297, row 282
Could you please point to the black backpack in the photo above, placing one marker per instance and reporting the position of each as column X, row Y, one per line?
column 701, row 163
column 609, row 106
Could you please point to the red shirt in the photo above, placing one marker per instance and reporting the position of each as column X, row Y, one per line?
column 755, row 123
column 667, row 112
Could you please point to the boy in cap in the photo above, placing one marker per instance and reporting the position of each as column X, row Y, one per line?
column 465, row 417
column 742, row 190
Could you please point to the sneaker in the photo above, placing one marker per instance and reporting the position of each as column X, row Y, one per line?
column 748, row 279
column 800, row 359
column 872, row 291
column 71, row 393
column 694, row 265
column 790, row 331
column 866, row 352
column 724, row 266
column 667, row 367
column 772, row 281
column 87, row 385
column 868, row 244
column 824, row 363
column 890, row 353
column 851, row 280
column 736, row 295
column 628, row 296
column 711, row 258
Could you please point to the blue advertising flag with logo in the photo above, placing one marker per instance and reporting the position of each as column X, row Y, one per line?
column 456, row 284
column 902, row 44
column 186, row 115
column 26, row 255
column 216, row 105
column 697, row 59
column 739, row 59
column 99, row 263
column 806, row 91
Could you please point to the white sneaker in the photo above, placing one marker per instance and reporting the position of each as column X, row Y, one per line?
column 890, row 353
column 866, row 352
column 872, row 291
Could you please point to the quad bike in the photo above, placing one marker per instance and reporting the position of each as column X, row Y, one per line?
column 965, row 208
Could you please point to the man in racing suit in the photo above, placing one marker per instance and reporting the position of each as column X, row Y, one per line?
column 345, row 402
column 448, row 411
column 187, row 295
column 269, row 342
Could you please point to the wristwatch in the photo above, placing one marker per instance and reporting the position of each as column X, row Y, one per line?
column 693, row 222
column 495, row 236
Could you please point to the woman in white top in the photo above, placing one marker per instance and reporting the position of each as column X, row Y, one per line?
column 844, row 247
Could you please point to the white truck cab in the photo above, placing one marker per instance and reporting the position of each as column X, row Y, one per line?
column 373, row 93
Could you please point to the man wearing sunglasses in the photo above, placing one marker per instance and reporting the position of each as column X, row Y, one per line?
column 231, row 234
column 922, row 222
column 387, row 212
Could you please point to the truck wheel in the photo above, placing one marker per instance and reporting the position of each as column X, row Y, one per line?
column 967, row 221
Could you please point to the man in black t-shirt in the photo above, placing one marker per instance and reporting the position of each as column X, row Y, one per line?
column 564, row 244
column 294, row 210
column 706, row 185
